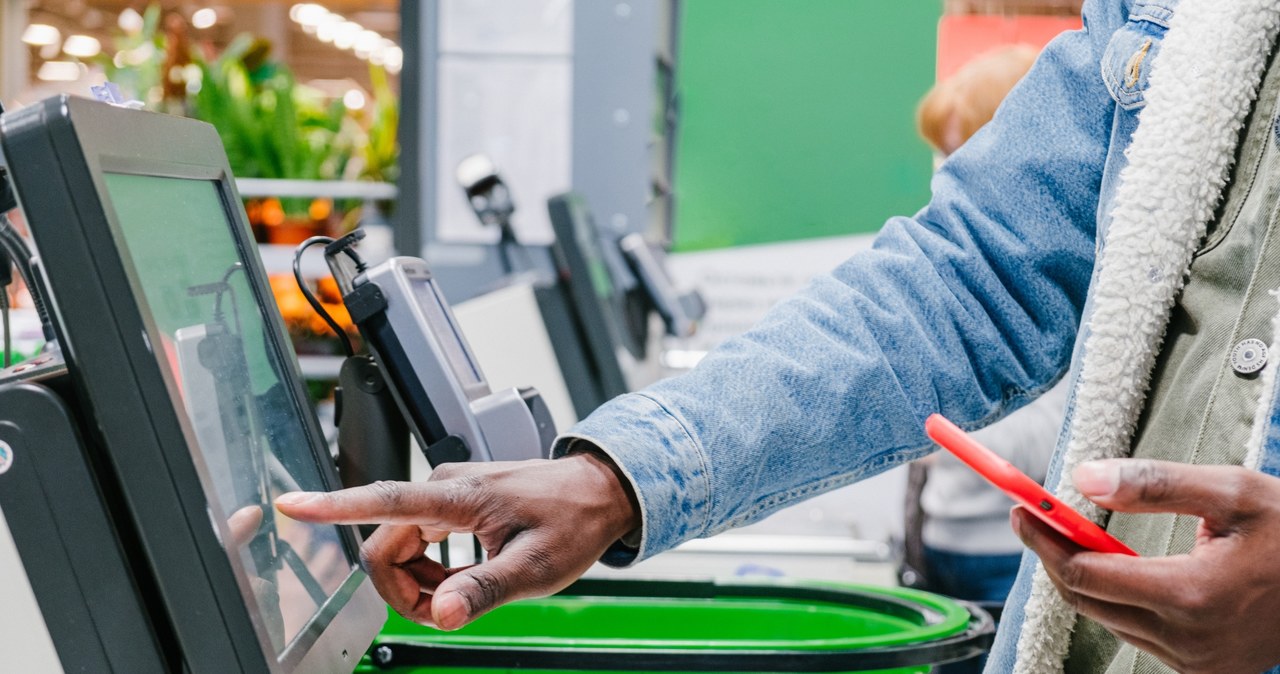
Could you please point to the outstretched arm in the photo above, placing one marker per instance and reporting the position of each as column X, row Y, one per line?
column 969, row 308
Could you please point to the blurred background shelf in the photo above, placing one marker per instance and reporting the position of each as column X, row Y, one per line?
column 332, row 189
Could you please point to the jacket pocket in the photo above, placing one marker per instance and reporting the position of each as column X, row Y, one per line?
column 1127, row 61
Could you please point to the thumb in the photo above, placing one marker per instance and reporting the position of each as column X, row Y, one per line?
column 473, row 591
column 1216, row 493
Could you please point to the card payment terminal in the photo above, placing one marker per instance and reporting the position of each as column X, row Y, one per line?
column 680, row 309
column 411, row 331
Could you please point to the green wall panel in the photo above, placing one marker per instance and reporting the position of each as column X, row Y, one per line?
column 797, row 117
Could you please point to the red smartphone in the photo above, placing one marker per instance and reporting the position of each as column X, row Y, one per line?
column 1026, row 491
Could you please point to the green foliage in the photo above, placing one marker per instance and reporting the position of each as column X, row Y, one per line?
column 141, row 58
column 271, row 126
column 381, row 151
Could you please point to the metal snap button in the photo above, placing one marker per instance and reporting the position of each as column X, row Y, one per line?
column 1249, row 356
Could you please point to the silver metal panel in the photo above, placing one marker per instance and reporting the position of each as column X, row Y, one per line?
column 516, row 110
column 509, row 27
column 615, row 58
column 432, row 363
column 508, row 426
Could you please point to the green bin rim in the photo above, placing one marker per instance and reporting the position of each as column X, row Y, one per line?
column 948, row 630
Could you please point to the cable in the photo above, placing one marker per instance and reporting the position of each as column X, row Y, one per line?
column 311, row 298
column 347, row 244
column 21, row 258
column 6, row 280
column 4, row 317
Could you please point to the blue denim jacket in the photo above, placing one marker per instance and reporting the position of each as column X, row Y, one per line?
column 971, row 308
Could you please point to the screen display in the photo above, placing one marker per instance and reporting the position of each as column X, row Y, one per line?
column 601, row 280
column 251, row 443
column 433, row 308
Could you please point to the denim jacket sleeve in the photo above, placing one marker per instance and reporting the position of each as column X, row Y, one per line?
column 969, row 308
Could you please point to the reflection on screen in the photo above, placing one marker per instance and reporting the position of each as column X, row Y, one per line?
column 252, row 443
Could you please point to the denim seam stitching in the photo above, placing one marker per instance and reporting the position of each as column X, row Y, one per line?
column 702, row 459
column 1149, row 10
column 1136, row 99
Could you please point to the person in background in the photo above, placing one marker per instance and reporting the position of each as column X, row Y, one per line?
column 955, row 108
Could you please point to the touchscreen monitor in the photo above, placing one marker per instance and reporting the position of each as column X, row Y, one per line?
column 176, row 235
column 597, row 305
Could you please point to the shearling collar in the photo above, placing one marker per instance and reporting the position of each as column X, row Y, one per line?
column 1202, row 89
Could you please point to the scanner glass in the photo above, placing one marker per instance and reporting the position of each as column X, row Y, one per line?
column 228, row 379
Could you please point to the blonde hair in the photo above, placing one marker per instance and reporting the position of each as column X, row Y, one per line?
column 957, row 107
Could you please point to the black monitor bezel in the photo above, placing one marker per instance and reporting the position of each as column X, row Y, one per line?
column 58, row 151
column 601, row 320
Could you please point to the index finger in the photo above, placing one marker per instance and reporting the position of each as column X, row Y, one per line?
column 244, row 524
column 446, row 504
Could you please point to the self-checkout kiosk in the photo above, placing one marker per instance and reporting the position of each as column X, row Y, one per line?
column 616, row 283
column 141, row 457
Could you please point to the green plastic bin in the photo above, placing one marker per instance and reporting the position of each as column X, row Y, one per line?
column 678, row 626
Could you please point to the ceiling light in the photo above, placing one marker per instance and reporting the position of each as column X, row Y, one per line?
column 204, row 18
column 353, row 99
column 343, row 34
column 308, row 14
column 394, row 58
column 346, row 34
column 82, row 46
column 41, row 35
column 59, row 71
column 378, row 55
column 327, row 28
column 130, row 21
column 367, row 41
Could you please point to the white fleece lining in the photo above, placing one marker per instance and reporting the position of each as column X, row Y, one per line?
column 1201, row 91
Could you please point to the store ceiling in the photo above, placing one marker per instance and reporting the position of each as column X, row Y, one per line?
column 310, row 58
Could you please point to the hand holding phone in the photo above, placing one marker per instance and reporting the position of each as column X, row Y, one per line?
column 1026, row 491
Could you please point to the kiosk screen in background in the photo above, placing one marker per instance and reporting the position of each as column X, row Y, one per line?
column 252, row 444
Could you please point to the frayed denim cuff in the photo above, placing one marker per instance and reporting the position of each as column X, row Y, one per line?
column 666, row 468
